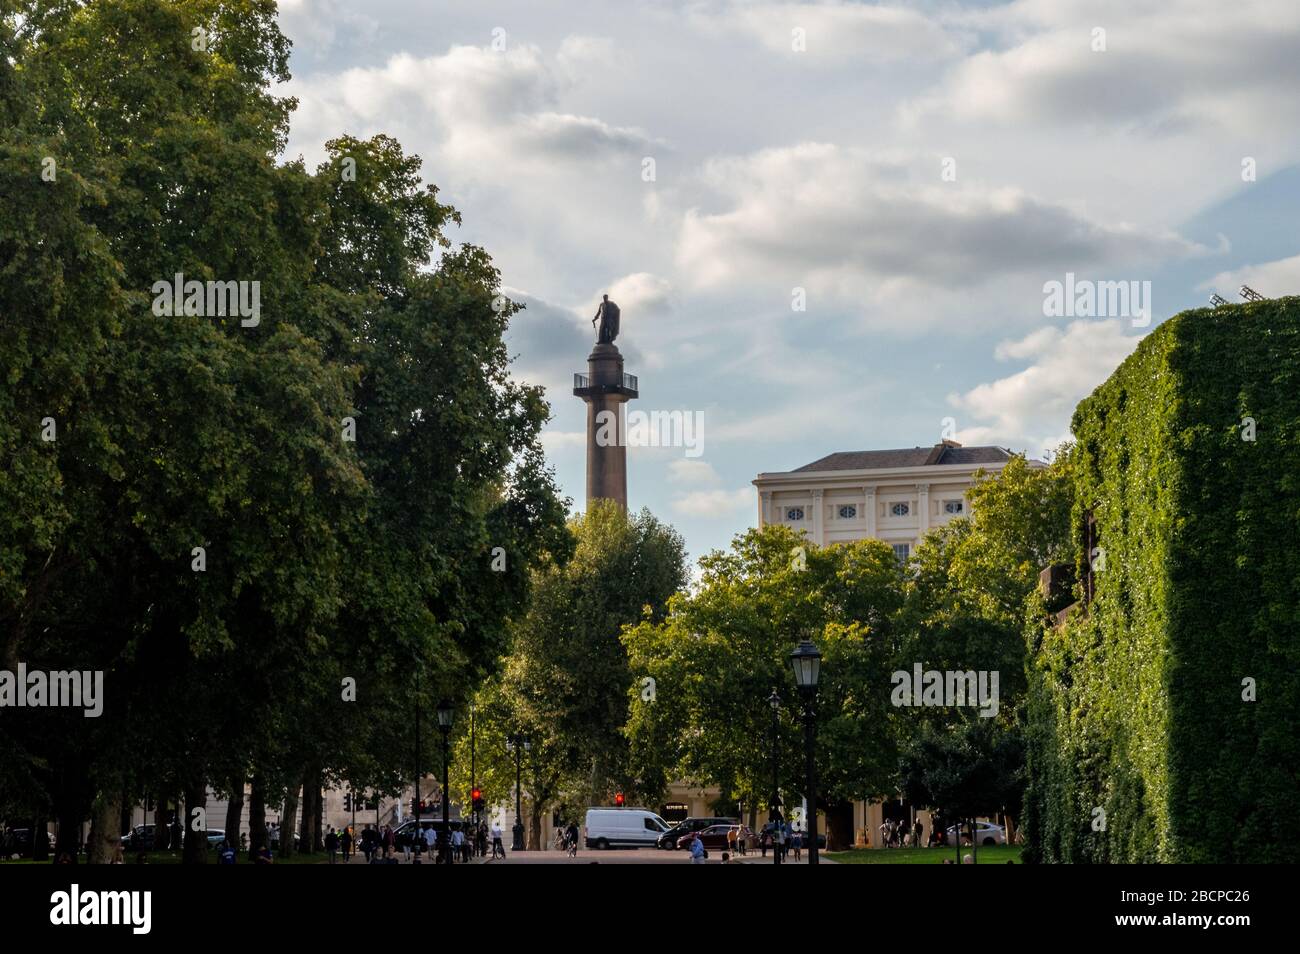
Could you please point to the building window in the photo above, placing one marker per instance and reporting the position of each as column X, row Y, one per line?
column 902, row 551
column 954, row 506
column 793, row 514
column 899, row 509
column 848, row 512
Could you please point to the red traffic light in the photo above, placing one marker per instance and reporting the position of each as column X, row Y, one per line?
column 618, row 799
column 476, row 793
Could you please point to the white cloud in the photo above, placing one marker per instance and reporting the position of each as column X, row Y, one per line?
column 717, row 504
column 833, row 32
column 491, row 111
column 693, row 472
column 1165, row 66
column 554, row 441
column 1031, row 409
column 1270, row 279
column 865, row 226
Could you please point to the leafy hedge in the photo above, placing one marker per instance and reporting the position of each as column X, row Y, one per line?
column 1137, row 707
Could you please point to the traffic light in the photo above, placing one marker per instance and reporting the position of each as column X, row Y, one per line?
column 618, row 799
column 347, row 801
column 476, row 799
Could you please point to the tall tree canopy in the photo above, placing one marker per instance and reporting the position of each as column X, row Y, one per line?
column 237, row 516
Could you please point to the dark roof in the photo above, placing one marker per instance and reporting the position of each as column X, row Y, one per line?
column 944, row 454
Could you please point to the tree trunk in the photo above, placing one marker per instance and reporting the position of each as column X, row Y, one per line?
column 312, row 810
column 287, row 823
column 256, row 817
column 40, row 839
column 104, row 834
column 68, row 838
column 161, row 831
column 195, row 824
column 318, row 816
column 535, row 827
column 839, row 825
column 234, row 812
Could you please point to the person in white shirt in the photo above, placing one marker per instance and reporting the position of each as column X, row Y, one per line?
column 497, row 846
column 430, row 839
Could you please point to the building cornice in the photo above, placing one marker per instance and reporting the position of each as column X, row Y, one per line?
column 857, row 478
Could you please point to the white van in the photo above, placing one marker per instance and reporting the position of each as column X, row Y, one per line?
column 623, row 828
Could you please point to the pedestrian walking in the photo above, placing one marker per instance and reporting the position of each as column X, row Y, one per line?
column 697, row 850
column 332, row 843
column 345, row 844
column 498, row 849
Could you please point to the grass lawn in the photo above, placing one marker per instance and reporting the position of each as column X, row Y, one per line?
column 993, row 854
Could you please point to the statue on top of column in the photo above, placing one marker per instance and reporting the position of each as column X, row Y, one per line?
column 607, row 314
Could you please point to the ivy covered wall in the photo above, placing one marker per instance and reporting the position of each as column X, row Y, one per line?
column 1144, row 744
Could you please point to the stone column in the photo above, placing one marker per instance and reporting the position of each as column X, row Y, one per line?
column 869, row 492
column 819, row 518
column 764, row 508
column 605, row 394
column 923, row 505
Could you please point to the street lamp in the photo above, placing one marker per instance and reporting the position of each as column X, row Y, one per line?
column 446, row 716
column 774, row 811
column 807, row 663
column 520, row 743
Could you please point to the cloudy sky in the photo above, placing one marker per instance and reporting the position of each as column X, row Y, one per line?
column 854, row 207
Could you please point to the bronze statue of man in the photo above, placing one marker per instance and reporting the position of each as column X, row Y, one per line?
column 607, row 314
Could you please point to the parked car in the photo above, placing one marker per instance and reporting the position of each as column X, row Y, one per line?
column 673, row 835
column 714, row 837
column 18, row 842
column 215, row 837
column 623, row 828
column 139, row 838
column 986, row 833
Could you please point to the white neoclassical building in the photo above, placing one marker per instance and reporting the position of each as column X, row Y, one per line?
column 890, row 495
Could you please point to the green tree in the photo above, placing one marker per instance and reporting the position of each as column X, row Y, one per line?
column 566, row 679
column 725, row 646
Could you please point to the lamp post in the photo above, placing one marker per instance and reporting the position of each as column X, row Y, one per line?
column 419, row 832
column 446, row 715
column 520, row 743
column 807, row 661
column 774, row 811
column 473, row 778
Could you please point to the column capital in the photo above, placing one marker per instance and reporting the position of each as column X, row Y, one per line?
column 922, row 488
column 817, row 493
column 870, row 489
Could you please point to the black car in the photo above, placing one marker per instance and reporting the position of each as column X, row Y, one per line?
column 669, row 838
column 18, row 841
column 405, row 833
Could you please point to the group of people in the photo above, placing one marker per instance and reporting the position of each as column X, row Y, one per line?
column 897, row 833
column 783, row 838
column 379, row 845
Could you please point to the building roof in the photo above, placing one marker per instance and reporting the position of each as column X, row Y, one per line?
column 942, row 454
